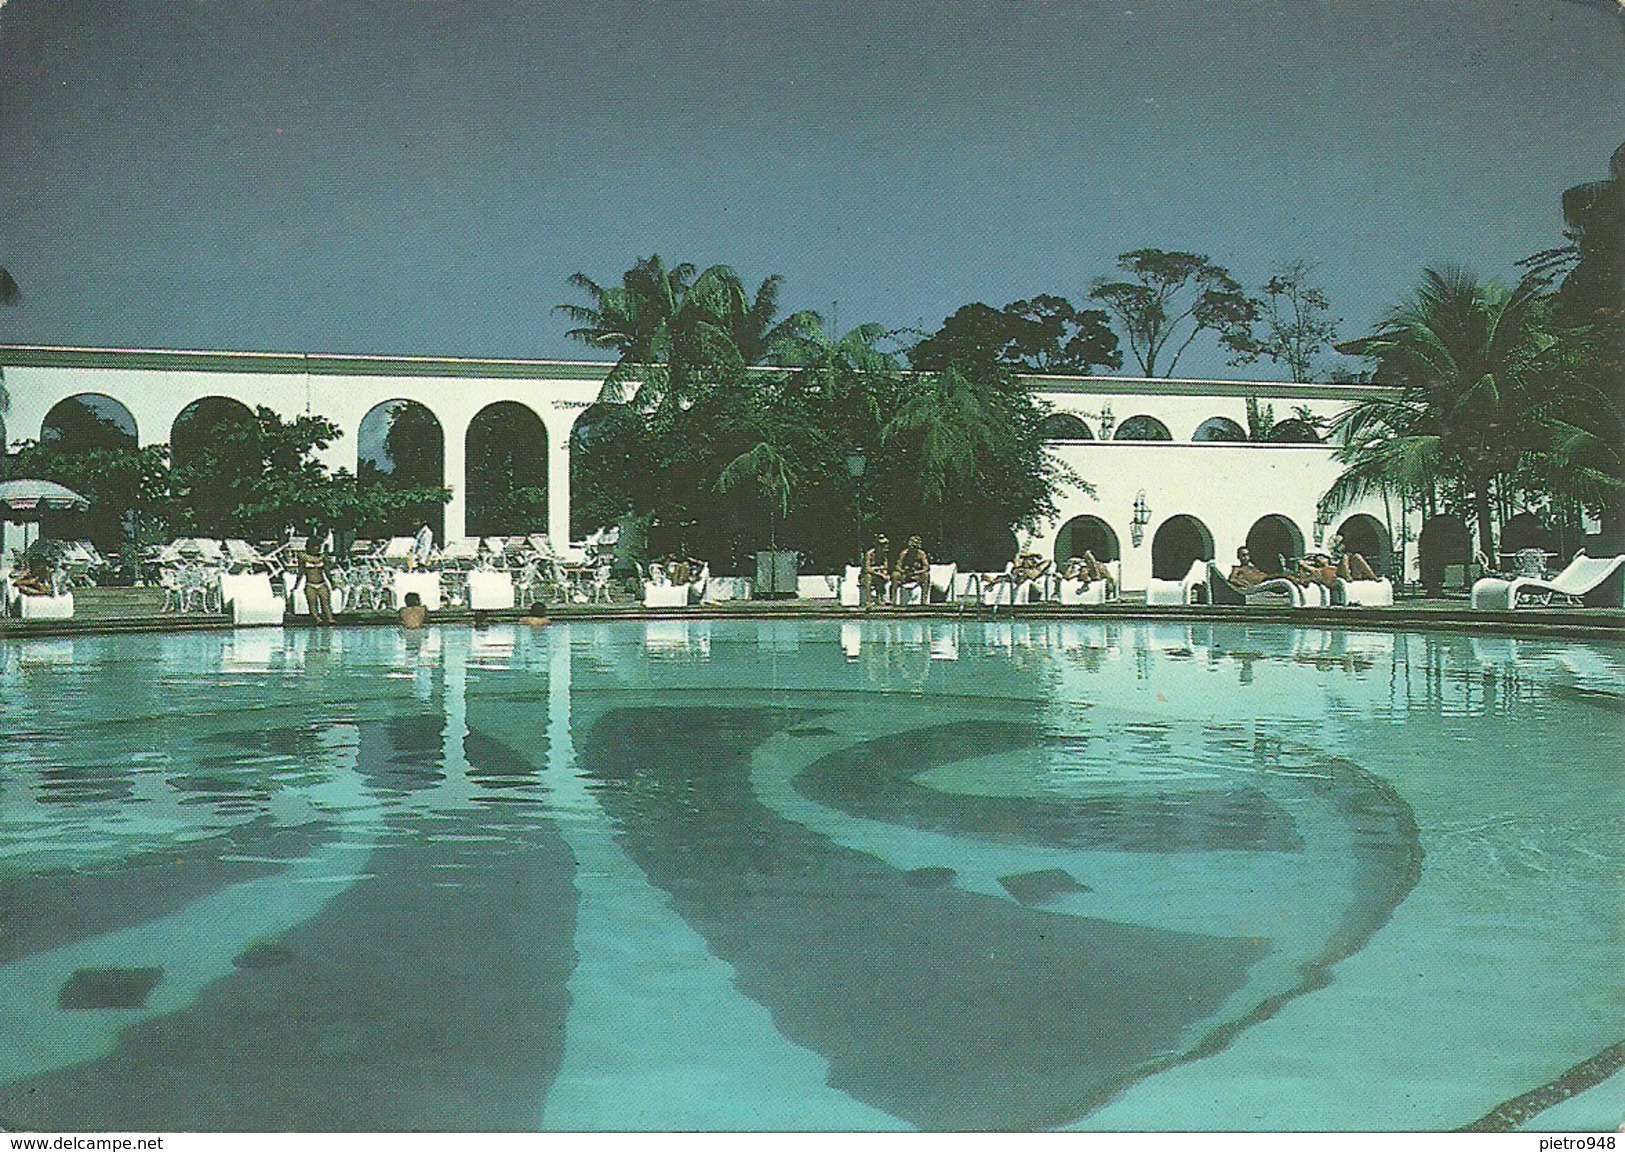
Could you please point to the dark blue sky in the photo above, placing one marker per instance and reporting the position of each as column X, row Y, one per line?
column 410, row 177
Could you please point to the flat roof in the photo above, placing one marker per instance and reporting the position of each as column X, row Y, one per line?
column 332, row 364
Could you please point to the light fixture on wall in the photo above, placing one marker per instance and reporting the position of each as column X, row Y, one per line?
column 1142, row 517
column 1107, row 421
column 1323, row 521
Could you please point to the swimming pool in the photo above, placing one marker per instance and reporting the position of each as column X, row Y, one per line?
column 811, row 875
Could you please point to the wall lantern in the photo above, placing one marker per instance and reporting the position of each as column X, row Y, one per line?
column 1142, row 517
column 1323, row 521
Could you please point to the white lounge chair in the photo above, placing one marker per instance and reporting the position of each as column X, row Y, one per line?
column 463, row 551
column 943, row 578
column 852, row 587
column 818, row 587
column 490, row 591
column 425, row 584
column 1592, row 582
column 1190, row 588
column 997, row 588
column 1365, row 593
column 1275, row 592
column 398, row 551
column 664, row 595
column 248, row 598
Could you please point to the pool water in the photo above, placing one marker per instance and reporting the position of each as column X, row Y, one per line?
column 811, row 875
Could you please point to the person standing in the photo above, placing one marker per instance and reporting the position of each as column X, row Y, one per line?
column 318, row 582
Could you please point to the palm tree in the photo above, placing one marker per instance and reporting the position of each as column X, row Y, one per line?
column 1469, row 366
column 756, row 329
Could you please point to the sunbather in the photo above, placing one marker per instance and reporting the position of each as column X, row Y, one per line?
column 1315, row 568
column 913, row 565
column 1086, row 570
column 35, row 580
column 1246, row 574
column 1350, row 565
column 877, row 571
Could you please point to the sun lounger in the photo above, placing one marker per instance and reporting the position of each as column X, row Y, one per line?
column 852, row 587
column 425, row 584
column 1365, row 593
column 398, row 550
column 1188, row 589
column 1276, row 592
column 461, row 550
column 1592, row 582
column 247, row 597
column 490, row 591
column 818, row 587
column 664, row 595
column 943, row 578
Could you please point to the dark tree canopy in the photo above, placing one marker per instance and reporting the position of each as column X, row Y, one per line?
column 1047, row 334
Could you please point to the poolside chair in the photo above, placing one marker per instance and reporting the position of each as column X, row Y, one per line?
column 911, row 592
column 398, row 552
column 461, row 552
column 996, row 588
column 247, row 598
column 818, row 587
column 696, row 587
column 241, row 556
column 1188, row 589
column 1589, row 582
column 852, row 587
column 490, row 591
column 664, row 595
column 1364, row 593
column 943, row 577
column 425, row 584
column 1278, row 592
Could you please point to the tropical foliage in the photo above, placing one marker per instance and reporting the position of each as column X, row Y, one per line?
column 740, row 430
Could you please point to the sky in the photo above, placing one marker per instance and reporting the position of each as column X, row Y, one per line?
column 405, row 177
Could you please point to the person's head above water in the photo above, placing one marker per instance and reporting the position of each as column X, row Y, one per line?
column 413, row 600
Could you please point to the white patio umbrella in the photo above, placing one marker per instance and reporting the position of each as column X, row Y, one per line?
column 23, row 501
column 35, row 496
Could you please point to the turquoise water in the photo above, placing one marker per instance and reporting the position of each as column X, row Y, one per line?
column 810, row 875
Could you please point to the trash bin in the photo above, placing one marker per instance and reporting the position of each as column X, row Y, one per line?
column 776, row 574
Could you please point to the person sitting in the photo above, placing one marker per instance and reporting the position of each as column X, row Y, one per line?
column 1246, row 574
column 1086, row 570
column 1350, row 565
column 913, row 566
column 35, row 580
column 413, row 614
column 678, row 569
column 1315, row 568
column 535, row 616
column 877, row 571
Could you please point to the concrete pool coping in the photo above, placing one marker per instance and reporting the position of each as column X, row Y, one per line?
column 1417, row 615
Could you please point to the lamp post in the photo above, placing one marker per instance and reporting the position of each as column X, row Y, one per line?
column 855, row 467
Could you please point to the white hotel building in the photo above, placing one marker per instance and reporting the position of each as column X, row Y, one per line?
column 1174, row 478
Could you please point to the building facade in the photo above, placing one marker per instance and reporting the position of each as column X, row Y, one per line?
column 1169, row 474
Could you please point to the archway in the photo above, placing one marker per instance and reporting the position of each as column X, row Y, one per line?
column 1366, row 536
column 1294, row 431
column 1272, row 539
column 1086, row 534
column 608, row 455
column 93, row 422
column 1142, row 428
column 1179, row 540
column 506, row 471
column 400, row 446
column 1064, row 426
column 1525, row 530
column 88, row 421
column 1444, row 540
column 215, row 455
column 1219, row 430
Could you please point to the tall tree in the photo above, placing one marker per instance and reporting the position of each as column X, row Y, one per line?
column 1168, row 299
column 1295, row 321
column 1047, row 334
column 1472, row 366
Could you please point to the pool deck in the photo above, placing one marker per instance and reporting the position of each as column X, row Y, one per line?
column 116, row 610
